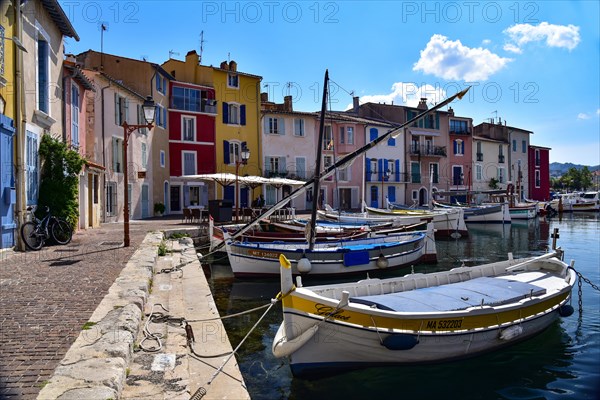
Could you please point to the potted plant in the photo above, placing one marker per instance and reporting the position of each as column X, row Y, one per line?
column 159, row 209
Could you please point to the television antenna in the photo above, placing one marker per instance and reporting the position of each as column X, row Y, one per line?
column 171, row 53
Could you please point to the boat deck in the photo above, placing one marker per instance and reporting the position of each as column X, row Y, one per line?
column 456, row 296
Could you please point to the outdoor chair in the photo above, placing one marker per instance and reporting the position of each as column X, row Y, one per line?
column 196, row 214
column 187, row 215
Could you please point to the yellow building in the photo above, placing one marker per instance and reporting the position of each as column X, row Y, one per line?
column 237, row 119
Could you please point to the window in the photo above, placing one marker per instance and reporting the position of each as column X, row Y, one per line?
column 32, row 167
column 327, row 162
column 187, row 99
column 344, row 174
column 144, row 156
column 189, row 162
column 479, row 172
column 459, row 147
column 188, row 128
column 501, row 174
column 434, row 170
column 342, row 135
column 43, row 75
column 457, row 175
column 390, row 167
column 514, row 145
column 162, row 158
column 275, row 126
column 327, row 138
column 524, row 146
column 234, row 114
column 298, row 127
column 74, row 115
column 538, row 160
column 161, row 84
column 121, row 109
column 537, row 178
column 117, row 154
column 350, row 134
column 457, row 126
column 233, row 152
column 301, row 167
column 161, row 116
column 415, row 172
column 111, row 199
column 275, row 166
column 232, row 80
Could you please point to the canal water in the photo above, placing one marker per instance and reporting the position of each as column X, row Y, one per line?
column 562, row 362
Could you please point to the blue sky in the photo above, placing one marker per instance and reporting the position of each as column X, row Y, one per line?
column 535, row 65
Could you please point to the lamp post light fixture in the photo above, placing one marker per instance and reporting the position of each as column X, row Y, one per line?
column 384, row 177
column 149, row 110
column 243, row 158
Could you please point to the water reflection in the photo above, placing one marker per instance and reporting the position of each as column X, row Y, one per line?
column 563, row 360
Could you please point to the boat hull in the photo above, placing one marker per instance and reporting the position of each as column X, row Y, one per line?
column 328, row 259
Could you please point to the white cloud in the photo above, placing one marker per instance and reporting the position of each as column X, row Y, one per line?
column 486, row 42
column 565, row 36
column 452, row 60
column 598, row 111
column 512, row 48
column 583, row 116
column 407, row 93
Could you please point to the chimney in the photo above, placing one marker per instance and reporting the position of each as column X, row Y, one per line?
column 192, row 57
column 355, row 104
column 224, row 65
column 287, row 104
column 233, row 66
column 451, row 112
column 264, row 97
column 423, row 104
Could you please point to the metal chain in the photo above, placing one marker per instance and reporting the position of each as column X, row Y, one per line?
column 579, row 289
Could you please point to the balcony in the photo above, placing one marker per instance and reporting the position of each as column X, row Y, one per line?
column 465, row 131
column 425, row 150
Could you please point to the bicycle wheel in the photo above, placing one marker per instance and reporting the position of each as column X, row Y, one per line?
column 32, row 238
column 61, row 232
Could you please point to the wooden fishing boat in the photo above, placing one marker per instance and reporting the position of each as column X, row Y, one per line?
column 448, row 222
column 420, row 318
column 484, row 213
column 332, row 257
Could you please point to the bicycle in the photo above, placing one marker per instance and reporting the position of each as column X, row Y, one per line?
column 37, row 231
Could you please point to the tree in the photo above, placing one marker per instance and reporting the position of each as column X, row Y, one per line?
column 59, row 182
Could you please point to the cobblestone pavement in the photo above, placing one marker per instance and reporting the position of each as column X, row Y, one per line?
column 47, row 296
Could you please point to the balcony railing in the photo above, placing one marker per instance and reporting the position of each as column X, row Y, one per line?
column 466, row 131
column 403, row 177
column 424, row 150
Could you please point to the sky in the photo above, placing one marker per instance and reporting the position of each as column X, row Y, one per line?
column 534, row 65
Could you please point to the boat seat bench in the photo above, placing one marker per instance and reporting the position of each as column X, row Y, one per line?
column 455, row 296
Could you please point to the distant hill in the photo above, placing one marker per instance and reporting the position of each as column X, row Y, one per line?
column 559, row 169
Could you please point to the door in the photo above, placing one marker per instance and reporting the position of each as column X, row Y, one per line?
column 244, row 197
column 374, row 196
column 345, row 198
column 175, row 198
column 145, row 202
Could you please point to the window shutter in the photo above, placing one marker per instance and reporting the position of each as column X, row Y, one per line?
column 226, row 152
column 380, row 168
column 392, row 194
column 397, row 170
column 267, row 166
column 266, row 125
column 225, row 113
column 117, row 110
column 373, row 134
column 368, row 169
column 391, row 141
column 126, row 110
column 242, row 115
column 281, row 126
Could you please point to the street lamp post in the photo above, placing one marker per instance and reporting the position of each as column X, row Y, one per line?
column 245, row 156
column 149, row 111
column 384, row 177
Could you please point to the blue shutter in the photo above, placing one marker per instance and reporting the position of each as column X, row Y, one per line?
column 368, row 169
column 391, row 141
column 373, row 134
column 392, row 194
column 242, row 115
column 225, row 113
column 380, row 169
column 455, row 144
column 397, row 169
column 437, row 121
column 225, row 152
column 164, row 120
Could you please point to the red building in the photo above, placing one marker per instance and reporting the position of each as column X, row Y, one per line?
column 539, row 173
column 191, row 120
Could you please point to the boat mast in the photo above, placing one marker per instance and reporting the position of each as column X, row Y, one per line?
column 317, row 178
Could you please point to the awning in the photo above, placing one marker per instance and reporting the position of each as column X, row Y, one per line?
column 423, row 133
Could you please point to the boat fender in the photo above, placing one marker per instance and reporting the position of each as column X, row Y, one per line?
column 284, row 347
column 400, row 341
column 566, row 310
column 382, row 262
column 511, row 332
column 304, row 265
